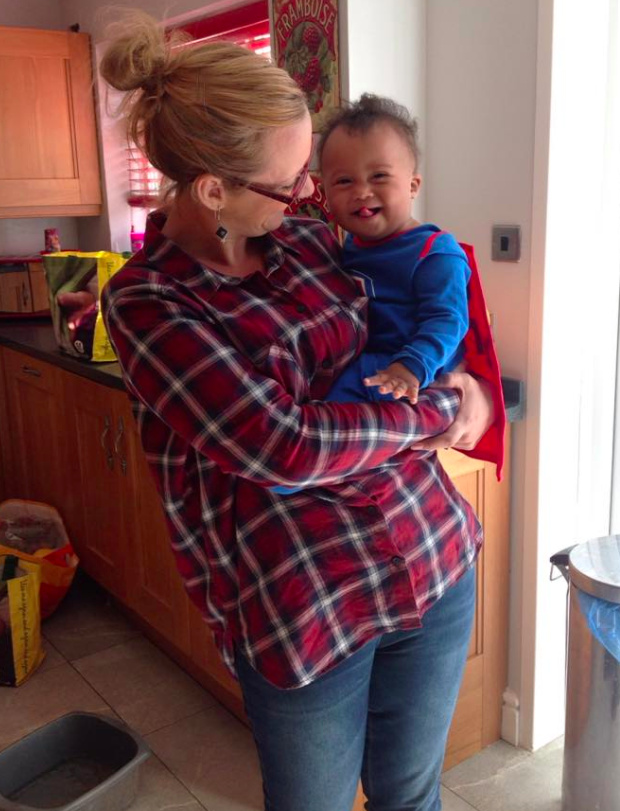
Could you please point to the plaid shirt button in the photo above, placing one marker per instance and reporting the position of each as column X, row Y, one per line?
column 398, row 561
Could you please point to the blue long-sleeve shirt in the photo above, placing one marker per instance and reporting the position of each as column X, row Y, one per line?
column 418, row 312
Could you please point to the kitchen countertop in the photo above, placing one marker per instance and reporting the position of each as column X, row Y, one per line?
column 35, row 337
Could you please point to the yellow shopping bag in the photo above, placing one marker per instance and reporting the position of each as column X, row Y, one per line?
column 75, row 280
column 20, row 621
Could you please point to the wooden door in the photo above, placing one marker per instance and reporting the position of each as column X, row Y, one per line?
column 48, row 145
column 5, row 436
column 101, row 538
column 38, row 453
column 38, row 287
column 15, row 291
column 155, row 589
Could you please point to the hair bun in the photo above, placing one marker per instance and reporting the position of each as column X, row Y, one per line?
column 136, row 59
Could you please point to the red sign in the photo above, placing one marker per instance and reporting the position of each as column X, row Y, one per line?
column 305, row 44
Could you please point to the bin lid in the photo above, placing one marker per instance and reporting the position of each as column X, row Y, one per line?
column 594, row 567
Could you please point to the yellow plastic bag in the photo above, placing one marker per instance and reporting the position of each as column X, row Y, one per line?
column 75, row 280
column 20, row 622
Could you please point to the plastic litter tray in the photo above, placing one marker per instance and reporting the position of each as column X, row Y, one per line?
column 80, row 762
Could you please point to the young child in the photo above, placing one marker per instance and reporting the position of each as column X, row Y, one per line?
column 418, row 311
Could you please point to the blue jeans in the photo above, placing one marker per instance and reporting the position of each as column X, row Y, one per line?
column 382, row 714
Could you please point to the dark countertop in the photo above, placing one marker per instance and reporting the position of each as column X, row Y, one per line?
column 35, row 337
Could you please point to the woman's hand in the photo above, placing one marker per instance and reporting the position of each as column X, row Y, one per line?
column 474, row 417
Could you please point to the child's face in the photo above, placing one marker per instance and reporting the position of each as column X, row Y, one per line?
column 370, row 180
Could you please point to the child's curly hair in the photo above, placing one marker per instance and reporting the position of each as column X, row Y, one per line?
column 360, row 116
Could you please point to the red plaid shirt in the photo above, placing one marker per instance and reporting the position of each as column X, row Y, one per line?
column 227, row 377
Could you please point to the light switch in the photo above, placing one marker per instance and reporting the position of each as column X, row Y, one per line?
column 506, row 243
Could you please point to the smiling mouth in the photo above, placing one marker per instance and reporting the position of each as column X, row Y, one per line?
column 366, row 213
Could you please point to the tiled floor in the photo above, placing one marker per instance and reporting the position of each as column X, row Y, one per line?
column 203, row 757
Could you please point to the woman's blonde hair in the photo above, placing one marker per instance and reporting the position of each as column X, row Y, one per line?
column 196, row 109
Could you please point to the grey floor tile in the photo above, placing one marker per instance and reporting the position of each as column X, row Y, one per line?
column 45, row 696
column 159, row 790
column 452, row 802
column 498, row 779
column 214, row 756
column 86, row 622
column 146, row 688
column 53, row 657
column 485, row 765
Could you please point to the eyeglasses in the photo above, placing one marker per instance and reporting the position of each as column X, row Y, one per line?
column 288, row 199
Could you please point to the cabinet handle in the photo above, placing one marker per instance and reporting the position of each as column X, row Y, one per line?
column 24, row 295
column 117, row 443
column 106, row 430
column 30, row 370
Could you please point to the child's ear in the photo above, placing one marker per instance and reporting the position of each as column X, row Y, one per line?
column 416, row 182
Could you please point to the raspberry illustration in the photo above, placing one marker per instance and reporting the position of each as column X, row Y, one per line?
column 312, row 76
column 312, row 39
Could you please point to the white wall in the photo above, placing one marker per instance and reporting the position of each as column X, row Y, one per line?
column 32, row 13
column 21, row 237
column 481, row 106
column 25, row 236
column 384, row 52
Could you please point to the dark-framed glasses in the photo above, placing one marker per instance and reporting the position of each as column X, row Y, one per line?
column 287, row 199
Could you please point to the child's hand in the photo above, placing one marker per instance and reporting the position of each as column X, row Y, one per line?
column 398, row 380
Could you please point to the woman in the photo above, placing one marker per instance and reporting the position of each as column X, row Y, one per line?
column 345, row 611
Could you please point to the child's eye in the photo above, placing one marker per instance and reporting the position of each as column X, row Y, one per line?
column 380, row 175
column 342, row 181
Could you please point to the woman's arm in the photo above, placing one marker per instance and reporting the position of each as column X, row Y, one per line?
column 188, row 374
column 474, row 417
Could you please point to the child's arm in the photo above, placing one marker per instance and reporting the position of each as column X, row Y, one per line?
column 439, row 288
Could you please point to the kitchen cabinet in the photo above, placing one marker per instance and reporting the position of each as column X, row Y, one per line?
column 49, row 163
column 23, row 288
column 97, row 517
column 122, row 538
column 156, row 592
column 38, row 287
column 38, row 467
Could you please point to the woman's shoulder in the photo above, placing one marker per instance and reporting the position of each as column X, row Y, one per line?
column 300, row 232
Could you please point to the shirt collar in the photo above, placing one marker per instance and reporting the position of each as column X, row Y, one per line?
column 160, row 250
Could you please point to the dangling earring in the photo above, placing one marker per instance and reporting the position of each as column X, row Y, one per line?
column 221, row 232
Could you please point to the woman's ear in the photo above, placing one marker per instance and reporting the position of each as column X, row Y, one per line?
column 209, row 190
column 416, row 182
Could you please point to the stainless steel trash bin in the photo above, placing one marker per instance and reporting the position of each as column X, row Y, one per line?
column 591, row 778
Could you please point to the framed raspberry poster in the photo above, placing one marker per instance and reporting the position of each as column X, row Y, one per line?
column 305, row 43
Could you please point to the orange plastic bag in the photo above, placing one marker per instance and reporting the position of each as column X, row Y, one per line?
column 35, row 532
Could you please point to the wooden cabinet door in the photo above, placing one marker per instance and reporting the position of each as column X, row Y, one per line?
column 5, row 436
column 156, row 591
column 477, row 719
column 15, row 292
column 101, row 539
column 38, row 287
column 39, row 464
column 48, row 145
